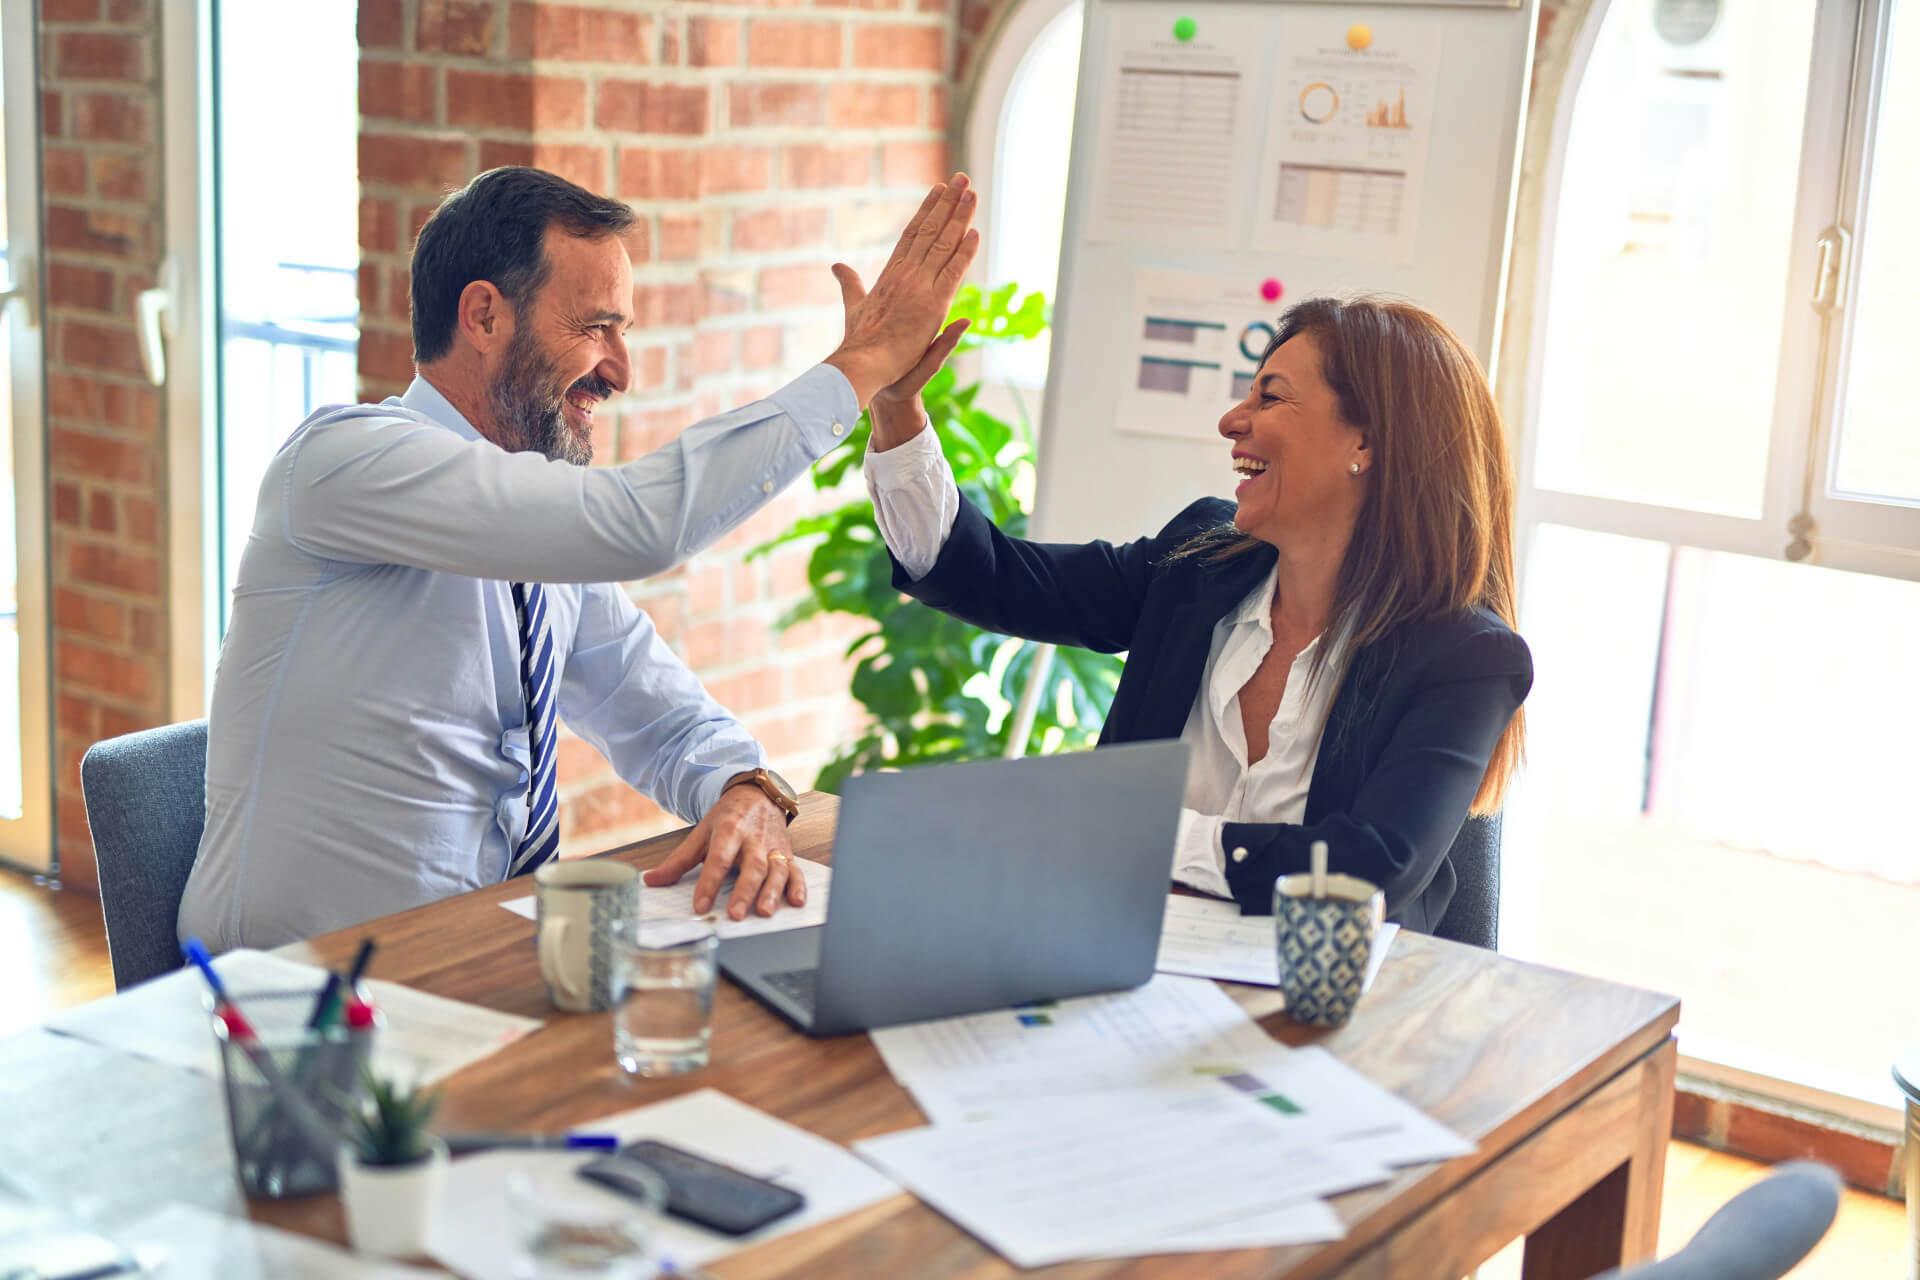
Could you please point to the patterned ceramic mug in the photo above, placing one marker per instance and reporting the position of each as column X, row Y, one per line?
column 1324, row 945
column 583, row 909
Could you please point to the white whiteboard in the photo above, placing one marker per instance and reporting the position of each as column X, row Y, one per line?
column 1102, row 474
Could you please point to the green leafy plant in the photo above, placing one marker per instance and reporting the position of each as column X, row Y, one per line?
column 937, row 690
column 391, row 1128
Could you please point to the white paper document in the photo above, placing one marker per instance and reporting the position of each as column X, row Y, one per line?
column 1170, row 1029
column 662, row 910
column 1209, row 938
column 194, row 1242
column 473, row 1231
column 1170, row 163
column 1085, row 1183
column 1193, row 348
column 425, row 1037
column 1347, row 136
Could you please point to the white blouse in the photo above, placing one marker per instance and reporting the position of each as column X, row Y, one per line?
column 915, row 504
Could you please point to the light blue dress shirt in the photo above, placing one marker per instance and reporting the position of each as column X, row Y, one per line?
column 367, row 748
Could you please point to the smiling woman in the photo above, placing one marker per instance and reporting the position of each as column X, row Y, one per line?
column 1337, row 645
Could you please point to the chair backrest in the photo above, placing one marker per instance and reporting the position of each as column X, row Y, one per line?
column 146, row 804
column 1760, row 1234
column 1473, row 917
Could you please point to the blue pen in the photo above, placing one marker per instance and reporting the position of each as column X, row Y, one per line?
column 461, row 1144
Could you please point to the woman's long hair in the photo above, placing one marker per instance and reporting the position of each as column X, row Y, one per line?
column 1435, row 532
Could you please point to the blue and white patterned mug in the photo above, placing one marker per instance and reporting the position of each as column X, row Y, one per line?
column 1324, row 945
column 582, row 911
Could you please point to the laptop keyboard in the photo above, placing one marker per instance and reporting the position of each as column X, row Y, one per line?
column 795, row 984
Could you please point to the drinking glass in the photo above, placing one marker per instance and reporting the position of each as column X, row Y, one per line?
column 567, row 1229
column 664, row 1021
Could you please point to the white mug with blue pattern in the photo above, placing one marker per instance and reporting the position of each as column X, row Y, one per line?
column 582, row 911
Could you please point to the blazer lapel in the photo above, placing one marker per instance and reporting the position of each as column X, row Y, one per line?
column 1188, row 639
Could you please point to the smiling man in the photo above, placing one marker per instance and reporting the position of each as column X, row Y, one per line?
column 427, row 589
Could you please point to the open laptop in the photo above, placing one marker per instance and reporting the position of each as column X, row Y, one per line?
column 962, row 888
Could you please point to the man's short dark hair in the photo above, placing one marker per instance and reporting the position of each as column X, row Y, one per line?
column 493, row 229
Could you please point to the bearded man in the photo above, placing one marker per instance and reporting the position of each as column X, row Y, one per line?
column 428, row 586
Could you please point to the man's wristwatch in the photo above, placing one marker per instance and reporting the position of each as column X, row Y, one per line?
column 776, row 788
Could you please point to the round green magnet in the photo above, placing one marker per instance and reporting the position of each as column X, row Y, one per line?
column 1184, row 29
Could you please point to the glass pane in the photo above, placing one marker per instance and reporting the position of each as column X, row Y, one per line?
column 1879, row 435
column 1030, row 180
column 1720, row 760
column 10, row 780
column 1670, row 255
column 288, row 237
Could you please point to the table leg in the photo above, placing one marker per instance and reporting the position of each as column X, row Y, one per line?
column 1617, row 1220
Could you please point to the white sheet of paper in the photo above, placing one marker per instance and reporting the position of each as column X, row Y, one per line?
column 1078, row 1184
column 1171, row 1028
column 1209, row 938
column 195, row 1242
column 660, row 909
column 1347, row 134
column 1169, row 162
column 426, row 1037
column 473, row 1233
column 1194, row 344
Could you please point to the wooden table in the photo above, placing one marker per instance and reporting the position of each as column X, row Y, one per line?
column 1565, row 1082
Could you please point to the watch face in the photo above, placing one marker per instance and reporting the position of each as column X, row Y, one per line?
column 786, row 788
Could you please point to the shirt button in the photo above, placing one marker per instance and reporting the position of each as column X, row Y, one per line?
column 839, row 429
column 1240, row 854
column 767, row 487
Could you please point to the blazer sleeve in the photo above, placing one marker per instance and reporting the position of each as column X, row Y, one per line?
column 1088, row 595
column 1410, row 806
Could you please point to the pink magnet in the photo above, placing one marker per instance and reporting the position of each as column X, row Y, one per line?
column 1270, row 290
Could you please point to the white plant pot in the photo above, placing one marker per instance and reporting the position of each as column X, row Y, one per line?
column 390, row 1207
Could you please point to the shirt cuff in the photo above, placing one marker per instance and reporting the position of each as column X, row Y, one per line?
column 707, row 791
column 1196, row 854
column 822, row 404
column 907, row 461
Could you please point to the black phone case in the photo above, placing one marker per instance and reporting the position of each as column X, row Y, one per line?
column 702, row 1191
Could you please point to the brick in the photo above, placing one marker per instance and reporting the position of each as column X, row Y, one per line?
column 399, row 91
column 110, row 117
column 748, row 582
column 510, row 100
column 725, row 170
column 772, row 230
column 665, row 306
column 637, row 106
column 793, row 44
column 86, row 288
column 414, row 161
column 761, row 347
column 141, row 519
column 102, row 516
column 95, row 55
column 726, row 291
column 898, row 46
column 576, row 759
column 644, row 430
column 790, row 735
column 77, row 716
column 707, row 590
column 757, row 106
column 109, row 566
column 726, row 642
column 747, row 692
column 648, row 174
column 824, row 677
column 680, row 238
column 112, row 348
column 386, row 356
column 585, row 165
column 56, row 11
column 817, row 165
column 398, row 293
column 454, row 26
column 381, row 24
column 118, row 176
column 576, row 33
column 593, row 817
column 379, row 225
column 873, row 106
column 71, row 395
column 870, row 5
column 73, row 452
column 913, row 162
column 53, row 114
column 713, row 42
column 85, row 667
column 810, row 285
column 939, row 107
column 66, row 503
column 713, row 353
column 64, row 171
column 871, row 224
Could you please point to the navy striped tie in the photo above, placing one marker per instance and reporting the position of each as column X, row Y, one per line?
column 542, row 839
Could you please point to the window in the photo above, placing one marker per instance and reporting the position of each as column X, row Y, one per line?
column 1720, row 735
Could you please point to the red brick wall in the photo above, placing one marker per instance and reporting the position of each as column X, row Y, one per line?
column 758, row 143
column 100, row 108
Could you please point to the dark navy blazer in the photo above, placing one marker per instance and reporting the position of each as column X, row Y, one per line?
column 1407, row 740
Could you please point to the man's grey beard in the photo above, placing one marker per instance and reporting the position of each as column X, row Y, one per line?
column 528, row 413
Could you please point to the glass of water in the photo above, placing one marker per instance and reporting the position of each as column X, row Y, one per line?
column 665, row 1018
column 566, row 1228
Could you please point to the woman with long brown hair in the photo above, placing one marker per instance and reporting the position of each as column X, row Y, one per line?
column 1336, row 645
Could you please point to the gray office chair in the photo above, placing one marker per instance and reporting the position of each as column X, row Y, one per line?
column 1473, row 917
column 146, row 798
column 1760, row 1234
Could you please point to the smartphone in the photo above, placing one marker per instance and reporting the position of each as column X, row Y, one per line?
column 700, row 1190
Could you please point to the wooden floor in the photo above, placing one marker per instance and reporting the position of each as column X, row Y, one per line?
column 54, row 951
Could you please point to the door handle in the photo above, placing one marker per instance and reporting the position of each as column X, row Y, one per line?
column 154, row 310
column 23, row 290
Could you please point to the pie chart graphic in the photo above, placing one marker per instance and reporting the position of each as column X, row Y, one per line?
column 1318, row 102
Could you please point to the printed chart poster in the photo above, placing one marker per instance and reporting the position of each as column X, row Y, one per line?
column 1170, row 164
column 1194, row 344
column 1347, row 136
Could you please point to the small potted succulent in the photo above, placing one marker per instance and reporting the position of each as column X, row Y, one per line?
column 391, row 1170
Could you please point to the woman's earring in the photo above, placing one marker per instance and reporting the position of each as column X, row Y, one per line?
column 1353, row 468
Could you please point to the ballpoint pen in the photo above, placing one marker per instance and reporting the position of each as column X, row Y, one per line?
column 461, row 1144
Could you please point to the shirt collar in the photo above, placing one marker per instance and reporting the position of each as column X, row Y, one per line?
column 1256, row 606
column 425, row 399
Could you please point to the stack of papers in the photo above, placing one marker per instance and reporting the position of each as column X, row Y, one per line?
column 426, row 1037
column 666, row 911
column 1209, row 938
column 1151, row 1121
